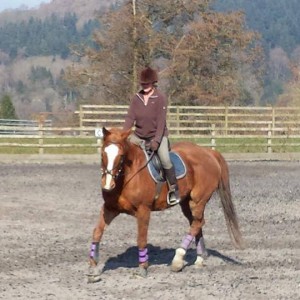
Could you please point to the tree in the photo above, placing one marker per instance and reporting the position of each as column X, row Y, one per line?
column 198, row 52
column 212, row 59
column 7, row 109
column 279, row 65
column 291, row 93
column 277, row 21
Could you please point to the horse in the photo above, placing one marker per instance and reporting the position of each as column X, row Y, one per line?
column 128, row 188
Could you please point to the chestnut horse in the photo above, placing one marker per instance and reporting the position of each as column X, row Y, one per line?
column 127, row 187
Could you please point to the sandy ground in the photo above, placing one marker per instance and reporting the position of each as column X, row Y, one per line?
column 48, row 212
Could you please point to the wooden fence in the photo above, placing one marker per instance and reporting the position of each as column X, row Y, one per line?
column 271, row 128
column 192, row 121
column 12, row 126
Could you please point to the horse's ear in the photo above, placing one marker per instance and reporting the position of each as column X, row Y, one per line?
column 126, row 133
column 105, row 132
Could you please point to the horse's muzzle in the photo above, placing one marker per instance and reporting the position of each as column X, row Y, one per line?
column 108, row 183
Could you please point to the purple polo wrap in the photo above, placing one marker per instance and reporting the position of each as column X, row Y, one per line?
column 143, row 255
column 186, row 241
column 201, row 246
column 94, row 252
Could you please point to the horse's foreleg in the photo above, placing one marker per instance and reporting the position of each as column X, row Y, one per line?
column 143, row 218
column 105, row 218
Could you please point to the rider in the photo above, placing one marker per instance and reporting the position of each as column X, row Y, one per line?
column 148, row 111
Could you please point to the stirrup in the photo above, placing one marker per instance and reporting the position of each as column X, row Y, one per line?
column 173, row 197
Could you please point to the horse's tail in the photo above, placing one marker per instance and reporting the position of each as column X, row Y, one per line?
column 227, row 204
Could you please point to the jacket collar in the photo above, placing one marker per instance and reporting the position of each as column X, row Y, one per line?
column 141, row 94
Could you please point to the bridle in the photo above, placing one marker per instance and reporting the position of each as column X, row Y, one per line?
column 104, row 171
column 119, row 166
column 110, row 172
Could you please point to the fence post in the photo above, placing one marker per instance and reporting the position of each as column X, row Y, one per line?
column 177, row 119
column 269, row 139
column 41, row 139
column 273, row 119
column 80, row 120
column 213, row 134
column 226, row 120
column 99, row 145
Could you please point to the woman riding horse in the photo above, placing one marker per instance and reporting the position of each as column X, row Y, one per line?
column 127, row 187
column 147, row 111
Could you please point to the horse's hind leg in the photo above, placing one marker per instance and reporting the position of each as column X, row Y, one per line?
column 105, row 218
column 201, row 250
column 178, row 260
column 194, row 212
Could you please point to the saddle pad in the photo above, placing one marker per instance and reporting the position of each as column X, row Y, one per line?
column 157, row 175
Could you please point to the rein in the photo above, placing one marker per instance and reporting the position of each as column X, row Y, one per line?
column 141, row 168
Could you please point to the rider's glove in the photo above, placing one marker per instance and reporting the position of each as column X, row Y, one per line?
column 154, row 145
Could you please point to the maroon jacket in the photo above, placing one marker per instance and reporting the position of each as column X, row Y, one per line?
column 150, row 119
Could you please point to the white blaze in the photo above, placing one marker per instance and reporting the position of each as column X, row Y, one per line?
column 112, row 152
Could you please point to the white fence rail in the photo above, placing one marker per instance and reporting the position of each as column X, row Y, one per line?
column 265, row 127
column 192, row 121
column 12, row 126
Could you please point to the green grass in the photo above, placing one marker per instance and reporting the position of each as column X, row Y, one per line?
column 286, row 145
column 87, row 145
column 248, row 145
column 80, row 145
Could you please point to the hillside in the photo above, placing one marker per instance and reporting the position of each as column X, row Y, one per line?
column 85, row 10
column 34, row 80
column 277, row 22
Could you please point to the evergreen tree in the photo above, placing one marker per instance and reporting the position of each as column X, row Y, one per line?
column 277, row 21
column 51, row 36
column 7, row 109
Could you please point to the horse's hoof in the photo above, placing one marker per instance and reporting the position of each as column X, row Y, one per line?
column 199, row 263
column 93, row 278
column 94, row 275
column 178, row 262
column 143, row 272
column 178, row 267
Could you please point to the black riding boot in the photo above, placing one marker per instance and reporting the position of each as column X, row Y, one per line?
column 173, row 195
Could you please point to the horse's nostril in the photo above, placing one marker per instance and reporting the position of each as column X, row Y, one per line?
column 107, row 184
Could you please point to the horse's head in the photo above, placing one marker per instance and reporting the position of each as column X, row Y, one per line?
column 112, row 156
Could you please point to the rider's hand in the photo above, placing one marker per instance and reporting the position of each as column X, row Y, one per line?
column 154, row 145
